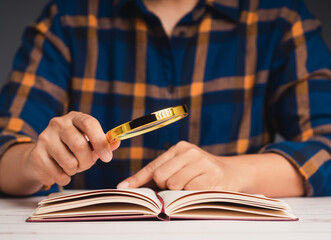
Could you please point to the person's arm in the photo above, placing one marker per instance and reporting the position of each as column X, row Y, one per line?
column 299, row 101
column 185, row 166
column 298, row 107
column 60, row 152
column 40, row 142
column 16, row 177
column 35, row 92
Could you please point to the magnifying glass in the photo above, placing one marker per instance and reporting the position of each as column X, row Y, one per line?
column 147, row 123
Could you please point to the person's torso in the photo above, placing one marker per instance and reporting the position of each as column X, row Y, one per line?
column 216, row 62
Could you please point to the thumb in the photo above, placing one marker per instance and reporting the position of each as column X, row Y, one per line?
column 115, row 144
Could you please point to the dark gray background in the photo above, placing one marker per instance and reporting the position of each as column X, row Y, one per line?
column 16, row 14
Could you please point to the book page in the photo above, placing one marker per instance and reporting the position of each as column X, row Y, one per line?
column 107, row 209
column 177, row 199
column 220, row 214
column 78, row 199
column 221, row 208
column 144, row 193
column 109, row 201
column 170, row 196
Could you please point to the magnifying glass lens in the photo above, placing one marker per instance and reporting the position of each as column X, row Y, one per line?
column 147, row 123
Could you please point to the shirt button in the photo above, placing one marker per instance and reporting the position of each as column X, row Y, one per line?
column 171, row 89
column 182, row 34
column 167, row 145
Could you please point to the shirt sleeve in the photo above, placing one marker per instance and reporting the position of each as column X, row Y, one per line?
column 37, row 88
column 299, row 100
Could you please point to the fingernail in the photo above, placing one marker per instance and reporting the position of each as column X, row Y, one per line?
column 123, row 185
column 105, row 155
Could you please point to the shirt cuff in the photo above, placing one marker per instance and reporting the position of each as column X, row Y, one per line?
column 9, row 139
column 312, row 161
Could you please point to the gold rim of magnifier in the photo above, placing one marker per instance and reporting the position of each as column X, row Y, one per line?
column 147, row 123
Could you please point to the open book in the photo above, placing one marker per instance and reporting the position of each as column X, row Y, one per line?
column 114, row 204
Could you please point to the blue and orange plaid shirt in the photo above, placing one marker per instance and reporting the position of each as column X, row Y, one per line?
column 247, row 70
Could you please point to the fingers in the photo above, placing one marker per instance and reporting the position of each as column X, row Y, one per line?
column 92, row 128
column 63, row 149
column 174, row 166
column 201, row 182
column 142, row 177
column 64, row 158
column 181, row 178
column 173, row 169
column 114, row 145
column 47, row 170
column 184, row 166
column 145, row 175
column 78, row 146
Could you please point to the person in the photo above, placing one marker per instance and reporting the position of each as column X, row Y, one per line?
column 247, row 70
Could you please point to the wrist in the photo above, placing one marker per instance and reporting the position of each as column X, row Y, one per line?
column 16, row 172
column 245, row 172
column 268, row 173
column 29, row 171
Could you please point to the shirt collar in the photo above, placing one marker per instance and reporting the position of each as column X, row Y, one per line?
column 229, row 8
column 118, row 4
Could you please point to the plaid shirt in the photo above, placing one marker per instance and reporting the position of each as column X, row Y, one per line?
column 247, row 69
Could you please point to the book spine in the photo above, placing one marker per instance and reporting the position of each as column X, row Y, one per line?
column 162, row 215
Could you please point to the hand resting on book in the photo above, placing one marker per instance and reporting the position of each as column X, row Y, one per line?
column 186, row 166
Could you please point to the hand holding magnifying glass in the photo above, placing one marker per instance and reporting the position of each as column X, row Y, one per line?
column 61, row 151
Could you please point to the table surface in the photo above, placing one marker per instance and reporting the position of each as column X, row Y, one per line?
column 314, row 223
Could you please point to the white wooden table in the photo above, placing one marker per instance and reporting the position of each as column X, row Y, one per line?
column 314, row 223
